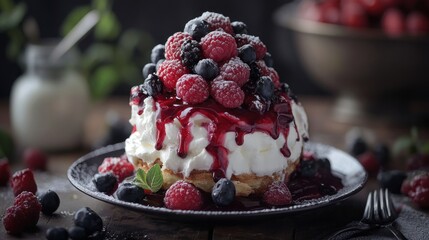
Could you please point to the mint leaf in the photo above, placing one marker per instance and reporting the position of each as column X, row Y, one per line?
column 140, row 179
column 154, row 178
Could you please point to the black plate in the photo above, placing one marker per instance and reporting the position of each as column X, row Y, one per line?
column 343, row 165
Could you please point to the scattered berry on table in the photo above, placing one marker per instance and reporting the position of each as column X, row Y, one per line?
column 216, row 21
column 57, row 233
column 239, row 27
column 170, row 71
column 190, row 53
column 183, row 196
column 77, row 233
column 265, row 87
column 100, row 235
column 23, row 180
column 235, row 70
column 369, row 162
column 419, row 189
column 219, row 46
column 35, row 159
column 50, row 202
column 13, row 220
column 418, row 161
column 120, row 167
column 247, row 54
column 174, row 44
column 149, row 68
column 207, row 68
column 89, row 220
column 157, row 53
column 152, row 85
column 192, row 88
column 392, row 180
column 268, row 59
column 105, row 182
column 129, row 192
column 197, row 28
column 227, row 93
column 31, row 207
column 4, row 172
column 223, row 192
column 277, row 194
column 358, row 146
column 255, row 42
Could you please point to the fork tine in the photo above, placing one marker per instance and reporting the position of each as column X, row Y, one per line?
column 389, row 206
column 376, row 206
column 384, row 207
column 368, row 214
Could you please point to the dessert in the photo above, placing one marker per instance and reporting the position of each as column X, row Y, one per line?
column 211, row 107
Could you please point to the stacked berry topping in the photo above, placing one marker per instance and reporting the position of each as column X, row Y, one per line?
column 212, row 58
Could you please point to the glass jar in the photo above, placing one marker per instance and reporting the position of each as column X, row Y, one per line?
column 49, row 102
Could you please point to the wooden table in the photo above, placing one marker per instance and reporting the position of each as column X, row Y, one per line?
column 124, row 224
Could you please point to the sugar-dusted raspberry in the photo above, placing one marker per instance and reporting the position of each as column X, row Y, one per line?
column 4, row 172
column 35, row 159
column 192, row 88
column 183, row 196
column 23, row 181
column 219, row 46
column 170, row 71
column 216, row 21
column 255, row 42
column 227, row 93
column 419, row 189
column 269, row 72
column 120, row 167
column 235, row 70
column 277, row 194
column 13, row 220
column 174, row 44
column 31, row 207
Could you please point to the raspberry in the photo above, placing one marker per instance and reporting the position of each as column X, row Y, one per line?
column 219, row 46
column 255, row 42
column 235, row 70
column 183, row 196
column 23, row 181
column 190, row 53
column 369, row 162
column 31, row 207
column 417, row 23
column 277, row 194
column 174, row 44
column 4, row 172
column 35, row 159
column 170, row 71
column 269, row 72
column 13, row 220
column 393, row 22
column 227, row 93
column 192, row 88
column 419, row 190
column 216, row 21
column 120, row 167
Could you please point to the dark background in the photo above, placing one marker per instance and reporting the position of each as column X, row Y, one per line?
column 162, row 18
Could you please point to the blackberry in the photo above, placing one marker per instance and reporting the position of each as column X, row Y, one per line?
column 77, row 233
column 148, row 69
column 207, row 68
column 239, row 27
column 265, row 87
column 57, row 233
column 152, row 85
column 392, row 180
column 157, row 53
column 89, row 220
column 247, row 54
column 197, row 28
column 255, row 72
column 105, row 182
column 190, row 53
column 255, row 103
column 223, row 192
column 49, row 201
column 268, row 59
column 129, row 192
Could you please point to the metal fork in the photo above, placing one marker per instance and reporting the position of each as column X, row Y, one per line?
column 379, row 212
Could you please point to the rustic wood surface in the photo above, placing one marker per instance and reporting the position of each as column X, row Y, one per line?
column 125, row 224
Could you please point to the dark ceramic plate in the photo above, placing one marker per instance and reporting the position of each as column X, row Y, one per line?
column 343, row 165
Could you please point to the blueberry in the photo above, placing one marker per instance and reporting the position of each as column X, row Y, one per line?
column 157, row 53
column 49, row 201
column 247, row 53
column 190, row 53
column 197, row 28
column 148, row 69
column 265, row 87
column 129, row 192
column 57, row 233
column 152, row 85
column 239, row 27
column 105, row 182
column 159, row 63
column 268, row 59
column 392, row 180
column 358, row 147
column 207, row 68
column 89, row 220
column 77, row 233
column 223, row 192
column 382, row 153
column 308, row 168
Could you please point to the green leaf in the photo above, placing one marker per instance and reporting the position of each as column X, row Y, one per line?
column 101, row 5
column 108, row 27
column 12, row 18
column 140, row 179
column 424, row 149
column 73, row 18
column 402, row 145
column 104, row 79
column 154, row 178
column 6, row 144
column 97, row 54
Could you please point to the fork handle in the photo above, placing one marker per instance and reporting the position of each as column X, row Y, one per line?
column 353, row 229
column 396, row 232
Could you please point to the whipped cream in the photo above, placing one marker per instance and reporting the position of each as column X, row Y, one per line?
column 259, row 154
